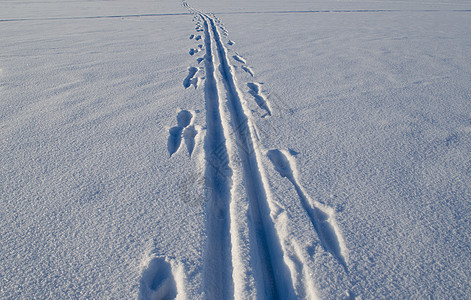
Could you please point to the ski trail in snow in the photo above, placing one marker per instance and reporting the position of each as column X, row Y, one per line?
column 321, row 217
column 273, row 258
column 217, row 270
column 274, row 276
column 218, row 180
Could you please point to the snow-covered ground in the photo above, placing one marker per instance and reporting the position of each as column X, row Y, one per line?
column 203, row 149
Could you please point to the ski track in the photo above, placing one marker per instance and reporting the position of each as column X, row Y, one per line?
column 231, row 135
column 218, row 180
column 274, row 276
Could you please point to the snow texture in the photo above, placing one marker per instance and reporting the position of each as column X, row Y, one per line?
column 235, row 149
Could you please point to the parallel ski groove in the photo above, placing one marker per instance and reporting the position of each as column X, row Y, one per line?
column 276, row 279
column 218, row 273
column 271, row 274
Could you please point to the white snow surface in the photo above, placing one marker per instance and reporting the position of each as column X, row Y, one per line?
column 235, row 149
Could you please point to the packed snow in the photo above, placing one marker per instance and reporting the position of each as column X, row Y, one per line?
column 235, row 149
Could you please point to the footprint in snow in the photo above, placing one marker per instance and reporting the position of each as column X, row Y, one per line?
column 194, row 51
column 259, row 97
column 239, row 59
column 321, row 217
column 157, row 281
column 191, row 79
column 184, row 131
column 248, row 70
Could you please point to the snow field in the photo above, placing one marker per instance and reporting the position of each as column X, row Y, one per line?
column 251, row 149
